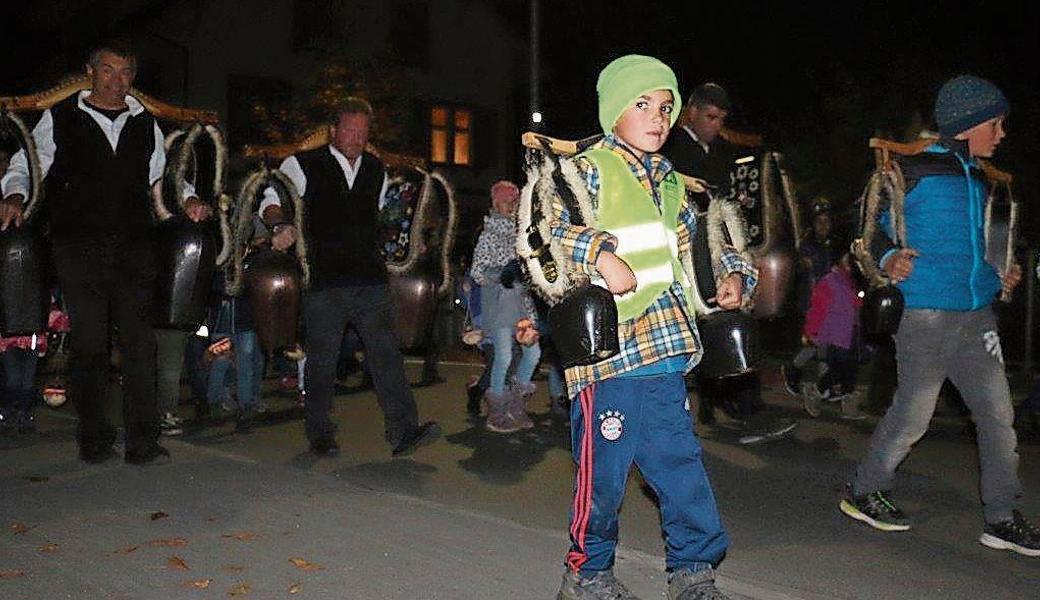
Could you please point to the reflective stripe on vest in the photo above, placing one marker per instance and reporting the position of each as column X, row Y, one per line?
column 646, row 236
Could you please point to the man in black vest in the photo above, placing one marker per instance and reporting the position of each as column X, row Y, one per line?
column 342, row 187
column 697, row 149
column 101, row 154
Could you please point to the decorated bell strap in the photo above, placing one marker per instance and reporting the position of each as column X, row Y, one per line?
column 182, row 166
column 420, row 216
column 886, row 189
column 11, row 122
column 451, row 227
column 248, row 198
column 547, row 263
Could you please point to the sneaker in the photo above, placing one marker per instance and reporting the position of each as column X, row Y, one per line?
column 151, row 455
column 601, row 586
column 770, row 430
column 685, row 584
column 812, row 398
column 1016, row 534
column 874, row 509
column 790, row 376
column 170, row 424
column 422, row 435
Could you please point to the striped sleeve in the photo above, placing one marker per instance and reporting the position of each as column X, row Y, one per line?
column 735, row 262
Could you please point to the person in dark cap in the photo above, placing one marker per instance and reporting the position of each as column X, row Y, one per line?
column 948, row 329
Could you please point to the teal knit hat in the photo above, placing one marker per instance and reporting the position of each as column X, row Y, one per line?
column 629, row 77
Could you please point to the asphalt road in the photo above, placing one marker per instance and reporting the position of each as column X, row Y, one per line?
column 476, row 515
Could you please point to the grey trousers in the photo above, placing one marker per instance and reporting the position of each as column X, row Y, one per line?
column 931, row 346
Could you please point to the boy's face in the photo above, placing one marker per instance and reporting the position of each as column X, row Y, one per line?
column 984, row 138
column 644, row 125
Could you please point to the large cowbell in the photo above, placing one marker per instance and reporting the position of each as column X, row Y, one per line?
column 585, row 326
column 731, row 344
column 273, row 287
column 882, row 311
column 186, row 255
column 23, row 294
column 414, row 297
column 729, row 337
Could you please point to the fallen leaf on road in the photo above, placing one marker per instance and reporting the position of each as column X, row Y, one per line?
column 49, row 548
column 198, row 584
column 234, row 568
column 11, row 574
column 242, row 536
column 155, row 516
column 294, row 589
column 37, row 479
column 20, row 528
column 176, row 562
column 126, row 550
column 305, row 565
column 168, row 543
column 240, row 590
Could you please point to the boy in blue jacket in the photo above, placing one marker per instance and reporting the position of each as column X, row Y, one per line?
column 948, row 329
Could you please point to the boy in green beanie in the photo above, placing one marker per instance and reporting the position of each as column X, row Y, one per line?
column 632, row 407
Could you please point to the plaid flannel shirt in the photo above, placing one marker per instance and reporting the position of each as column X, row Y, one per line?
column 667, row 327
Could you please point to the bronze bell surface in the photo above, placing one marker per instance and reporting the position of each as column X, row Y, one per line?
column 882, row 311
column 585, row 326
column 23, row 294
column 731, row 344
column 775, row 274
column 185, row 258
column 273, row 286
column 414, row 298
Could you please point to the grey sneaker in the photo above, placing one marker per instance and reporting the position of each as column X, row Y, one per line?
column 601, row 586
column 685, row 584
column 170, row 424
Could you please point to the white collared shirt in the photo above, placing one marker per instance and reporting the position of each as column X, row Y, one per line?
column 291, row 168
column 17, row 179
column 707, row 148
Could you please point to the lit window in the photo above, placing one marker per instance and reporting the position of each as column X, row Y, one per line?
column 450, row 135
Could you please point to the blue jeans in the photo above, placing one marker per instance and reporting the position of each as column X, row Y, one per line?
column 249, row 368
column 643, row 420
column 503, row 341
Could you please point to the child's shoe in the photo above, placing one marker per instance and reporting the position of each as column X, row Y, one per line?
column 601, row 586
column 685, row 584
column 518, row 394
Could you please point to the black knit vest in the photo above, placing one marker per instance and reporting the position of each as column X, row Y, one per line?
column 92, row 192
column 340, row 223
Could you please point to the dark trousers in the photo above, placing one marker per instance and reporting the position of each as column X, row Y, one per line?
column 842, row 367
column 103, row 282
column 19, row 370
column 326, row 313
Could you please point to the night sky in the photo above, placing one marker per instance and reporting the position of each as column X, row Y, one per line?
column 816, row 80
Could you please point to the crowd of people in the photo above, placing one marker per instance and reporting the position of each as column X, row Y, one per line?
column 101, row 152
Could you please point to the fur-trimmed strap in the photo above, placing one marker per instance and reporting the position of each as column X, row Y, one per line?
column 28, row 144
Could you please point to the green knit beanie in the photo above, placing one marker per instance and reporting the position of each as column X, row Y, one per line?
column 629, row 77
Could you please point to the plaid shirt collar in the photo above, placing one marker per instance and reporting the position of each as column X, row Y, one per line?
column 652, row 168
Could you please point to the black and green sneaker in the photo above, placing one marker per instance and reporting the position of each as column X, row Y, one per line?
column 1016, row 534
column 874, row 509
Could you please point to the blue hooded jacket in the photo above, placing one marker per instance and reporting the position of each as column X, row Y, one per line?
column 945, row 217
